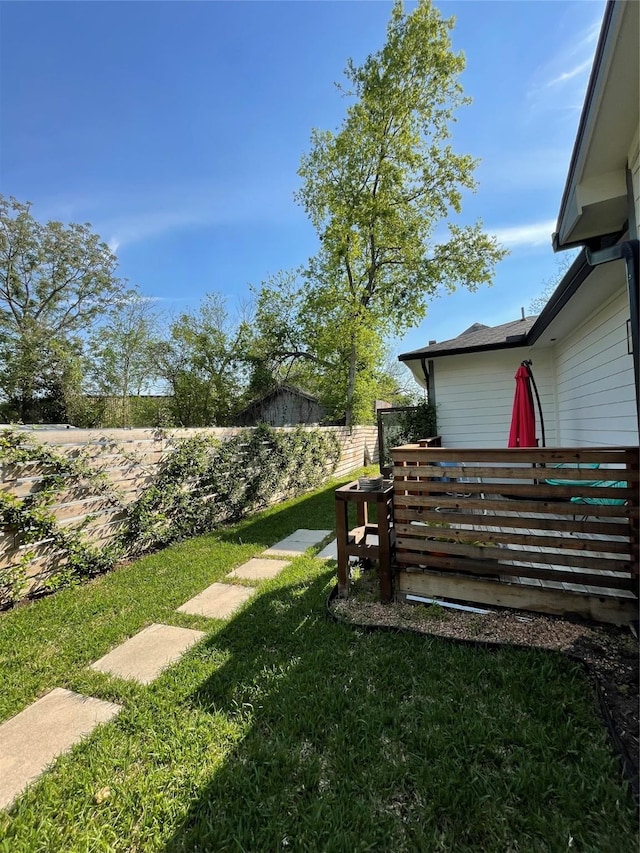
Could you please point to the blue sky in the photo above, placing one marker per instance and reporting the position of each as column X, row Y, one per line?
column 176, row 129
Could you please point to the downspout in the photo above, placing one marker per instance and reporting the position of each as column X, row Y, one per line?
column 427, row 372
column 627, row 252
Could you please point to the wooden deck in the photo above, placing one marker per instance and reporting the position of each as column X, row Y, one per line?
column 501, row 535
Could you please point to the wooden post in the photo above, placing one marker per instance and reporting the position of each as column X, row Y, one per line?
column 634, row 524
column 385, row 505
column 342, row 532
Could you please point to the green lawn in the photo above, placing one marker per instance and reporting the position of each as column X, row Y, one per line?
column 285, row 731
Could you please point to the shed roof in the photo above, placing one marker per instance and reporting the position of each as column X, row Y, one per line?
column 275, row 391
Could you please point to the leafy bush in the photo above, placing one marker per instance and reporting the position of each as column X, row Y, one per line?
column 406, row 426
column 205, row 482
column 31, row 519
column 202, row 483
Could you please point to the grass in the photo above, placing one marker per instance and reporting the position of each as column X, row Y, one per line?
column 284, row 731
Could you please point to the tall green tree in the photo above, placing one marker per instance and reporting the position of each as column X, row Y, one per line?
column 55, row 281
column 549, row 285
column 378, row 188
column 203, row 362
column 121, row 354
column 299, row 341
column 282, row 347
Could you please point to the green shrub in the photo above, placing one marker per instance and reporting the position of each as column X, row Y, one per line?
column 205, row 482
column 202, row 483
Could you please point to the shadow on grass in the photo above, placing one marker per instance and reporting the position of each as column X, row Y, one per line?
column 374, row 741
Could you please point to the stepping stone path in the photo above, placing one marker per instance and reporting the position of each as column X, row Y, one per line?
column 297, row 543
column 257, row 569
column 33, row 738
column 217, row 601
column 143, row 657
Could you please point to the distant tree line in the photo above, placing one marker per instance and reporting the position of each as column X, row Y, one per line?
column 77, row 345
column 382, row 192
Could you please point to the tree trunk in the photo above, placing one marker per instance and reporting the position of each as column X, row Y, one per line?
column 351, row 384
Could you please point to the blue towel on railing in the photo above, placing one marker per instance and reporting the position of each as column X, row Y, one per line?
column 610, row 484
column 580, row 466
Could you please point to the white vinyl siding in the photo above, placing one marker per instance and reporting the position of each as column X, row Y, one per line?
column 474, row 396
column 634, row 168
column 596, row 390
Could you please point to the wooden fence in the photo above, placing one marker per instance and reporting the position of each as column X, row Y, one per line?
column 489, row 527
column 130, row 459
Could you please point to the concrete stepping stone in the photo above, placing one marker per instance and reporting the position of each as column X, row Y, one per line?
column 258, row 569
column 217, row 601
column 143, row 657
column 329, row 552
column 297, row 543
column 31, row 740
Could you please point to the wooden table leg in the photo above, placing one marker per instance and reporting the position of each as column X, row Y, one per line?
column 342, row 532
column 384, row 549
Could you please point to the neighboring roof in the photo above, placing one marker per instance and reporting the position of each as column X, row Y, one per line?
column 278, row 390
column 38, row 427
column 475, row 328
column 594, row 202
column 477, row 338
column 519, row 333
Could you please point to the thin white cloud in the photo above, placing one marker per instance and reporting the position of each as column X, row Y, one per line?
column 148, row 224
column 535, row 234
column 569, row 75
column 561, row 80
column 127, row 216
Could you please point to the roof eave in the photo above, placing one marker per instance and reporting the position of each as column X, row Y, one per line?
column 594, row 200
column 571, row 281
column 568, row 286
column 513, row 344
column 558, row 242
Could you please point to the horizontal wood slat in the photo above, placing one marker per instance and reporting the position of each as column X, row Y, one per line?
column 491, row 515
column 517, row 522
column 519, row 490
column 496, row 505
column 604, row 562
column 523, row 473
column 489, row 569
column 511, row 457
column 604, row 608
column 512, row 538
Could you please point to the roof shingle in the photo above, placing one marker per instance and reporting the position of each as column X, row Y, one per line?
column 475, row 337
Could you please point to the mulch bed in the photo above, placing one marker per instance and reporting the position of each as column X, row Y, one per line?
column 609, row 652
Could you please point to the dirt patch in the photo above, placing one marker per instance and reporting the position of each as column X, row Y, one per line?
column 609, row 652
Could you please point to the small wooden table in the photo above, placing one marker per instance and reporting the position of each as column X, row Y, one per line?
column 353, row 543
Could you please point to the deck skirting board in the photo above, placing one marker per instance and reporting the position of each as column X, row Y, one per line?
column 556, row 602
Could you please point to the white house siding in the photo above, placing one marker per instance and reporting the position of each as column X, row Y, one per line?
column 595, row 381
column 474, row 396
column 634, row 168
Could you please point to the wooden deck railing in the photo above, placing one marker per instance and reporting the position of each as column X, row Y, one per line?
column 489, row 518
